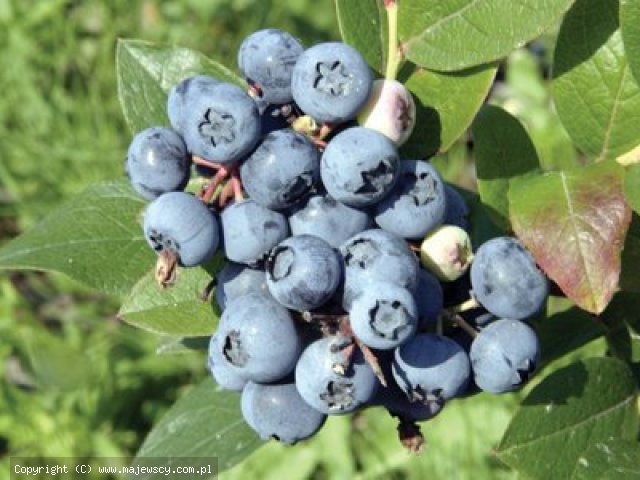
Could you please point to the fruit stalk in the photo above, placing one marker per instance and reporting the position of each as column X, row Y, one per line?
column 395, row 57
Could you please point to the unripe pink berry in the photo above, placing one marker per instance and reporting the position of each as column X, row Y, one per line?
column 390, row 110
column 446, row 252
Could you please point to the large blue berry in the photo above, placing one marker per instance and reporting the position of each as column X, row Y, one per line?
column 278, row 412
column 251, row 230
column 359, row 166
column 224, row 374
column 417, row 203
column 191, row 86
column 236, row 279
column 266, row 58
column 157, row 162
column 383, row 315
column 181, row 224
column 457, row 209
column 258, row 338
column 221, row 123
column 431, row 368
column 331, row 380
column 303, row 272
column 282, row 170
column 331, row 82
column 504, row 355
column 506, row 280
column 329, row 219
column 377, row 255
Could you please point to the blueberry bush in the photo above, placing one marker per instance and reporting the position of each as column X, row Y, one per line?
column 555, row 185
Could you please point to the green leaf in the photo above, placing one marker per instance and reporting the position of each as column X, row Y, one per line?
column 618, row 317
column 178, row 345
column 445, row 106
column 502, row 150
column 632, row 186
column 613, row 459
column 95, row 238
column 176, row 311
column 482, row 228
column 595, row 94
column 574, row 223
column 456, row 34
column 146, row 72
column 206, row 422
column 363, row 25
column 574, row 407
column 630, row 25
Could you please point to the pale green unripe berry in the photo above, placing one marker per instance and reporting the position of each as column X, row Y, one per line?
column 390, row 110
column 446, row 252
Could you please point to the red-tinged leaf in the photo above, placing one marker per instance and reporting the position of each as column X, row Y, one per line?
column 574, row 222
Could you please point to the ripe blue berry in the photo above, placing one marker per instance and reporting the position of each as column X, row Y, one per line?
column 417, row 203
column 191, row 86
column 181, row 224
column 278, row 412
column 431, row 368
column 504, row 355
column 282, row 170
column 377, row 255
column 157, row 162
column 223, row 374
column 251, row 230
column 221, row 123
column 429, row 299
column 236, row 279
column 383, row 315
column 258, row 338
column 506, row 280
column 457, row 209
column 331, row 381
column 303, row 272
column 359, row 167
column 328, row 219
column 266, row 58
column 331, row 82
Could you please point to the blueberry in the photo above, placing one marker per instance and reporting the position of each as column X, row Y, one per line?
column 331, row 82
column 157, row 162
column 377, row 255
column 221, row 124
column 431, row 368
column 457, row 209
column 179, row 93
column 506, row 280
column 383, row 315
column 359, row 167
column 330, row 380
column 180, row 223
column 328, row 219
column 278, row 412
column 303, row 272
column 251, row 230
column 266, row 58
column 258, row 338
column 235, row 280
column 417, row 203
column 390, row 110
column 282, row 170
column 429, row 299
column 223, row 374
column 504, row 355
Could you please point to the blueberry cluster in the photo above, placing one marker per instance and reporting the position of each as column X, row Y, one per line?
column 340, row 254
